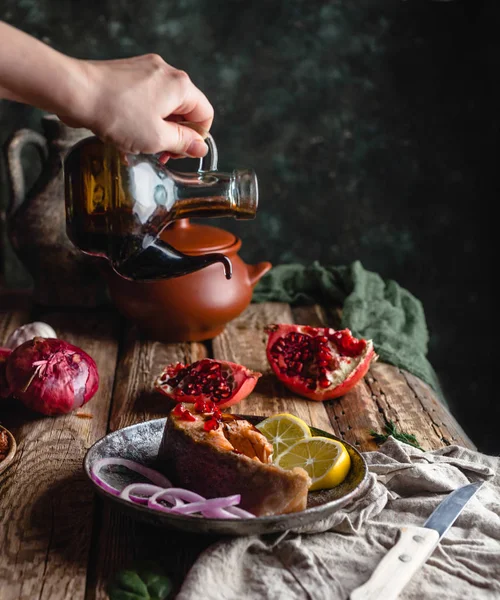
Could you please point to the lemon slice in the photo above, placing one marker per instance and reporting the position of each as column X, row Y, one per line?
column 326, row 461
column 283, row 431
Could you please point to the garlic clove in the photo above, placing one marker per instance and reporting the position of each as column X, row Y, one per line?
column 28, row 332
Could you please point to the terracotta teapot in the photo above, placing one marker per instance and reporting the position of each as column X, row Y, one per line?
column 192, row 307
column 36, row 220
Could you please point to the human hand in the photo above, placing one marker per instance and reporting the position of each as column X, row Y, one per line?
column 135, row 104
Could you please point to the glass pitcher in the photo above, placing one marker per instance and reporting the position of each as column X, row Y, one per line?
column 117, row 207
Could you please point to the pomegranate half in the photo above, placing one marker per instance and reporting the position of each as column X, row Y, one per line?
column 319, row 363
column 223, row 382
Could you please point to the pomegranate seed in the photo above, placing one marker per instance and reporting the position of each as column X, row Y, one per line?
column 183, row 413
column 210, row 425
column 323, row 382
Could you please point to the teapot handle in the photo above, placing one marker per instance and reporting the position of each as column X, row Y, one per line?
column 14, row 149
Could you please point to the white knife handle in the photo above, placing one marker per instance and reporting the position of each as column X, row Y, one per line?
column 413, row 548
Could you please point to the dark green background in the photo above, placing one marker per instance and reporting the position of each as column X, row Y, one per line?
column 372, row 125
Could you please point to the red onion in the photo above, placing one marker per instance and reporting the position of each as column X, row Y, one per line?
column 212, row 503
column 239, row 512
column 144, row 489
column 51, row 376
column 196, row 504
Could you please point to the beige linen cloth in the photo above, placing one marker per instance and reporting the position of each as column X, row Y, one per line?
column 405, row 486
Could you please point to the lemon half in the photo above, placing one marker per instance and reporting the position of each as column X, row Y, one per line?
column 326, row 461
column 282, row 431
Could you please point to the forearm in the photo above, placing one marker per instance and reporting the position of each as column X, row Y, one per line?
column 33, row 73
column 129, row 102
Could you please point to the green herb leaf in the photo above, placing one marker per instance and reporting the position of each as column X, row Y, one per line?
column 159, row 586
column 391, row 430
column 146, row 582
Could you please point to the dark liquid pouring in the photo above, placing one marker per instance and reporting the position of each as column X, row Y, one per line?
column 150, row 263
column 118, row 211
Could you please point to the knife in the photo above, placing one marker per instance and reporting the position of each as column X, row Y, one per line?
column 413, row 548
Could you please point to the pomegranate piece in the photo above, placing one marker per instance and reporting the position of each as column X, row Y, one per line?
column 183, row 413
column 221, row 382
column 318, row 363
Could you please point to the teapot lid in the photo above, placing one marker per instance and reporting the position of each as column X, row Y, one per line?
column 193, row 238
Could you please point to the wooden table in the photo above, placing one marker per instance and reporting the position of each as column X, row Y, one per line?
column 58, row 541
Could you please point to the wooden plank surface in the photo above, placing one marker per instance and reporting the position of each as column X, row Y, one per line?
column 244, row 341
column 120, row 541
column 61, row 543
column 386, row 393
column 46, row 504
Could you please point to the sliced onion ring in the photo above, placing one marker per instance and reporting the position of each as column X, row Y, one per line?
column 207, row 505
column 239, row 512
column 182, row 501
column 154, row 476
column 145, row 489
column 173, row 493
column 212, row 508
column 218, row 513
column 175, row 496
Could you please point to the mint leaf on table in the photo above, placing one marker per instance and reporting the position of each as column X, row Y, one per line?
column 141, row 584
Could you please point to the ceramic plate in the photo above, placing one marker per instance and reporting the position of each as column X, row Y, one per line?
column 12, row 450
column 140, row 442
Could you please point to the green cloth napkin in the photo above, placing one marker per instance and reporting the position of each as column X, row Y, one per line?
column 372, row 308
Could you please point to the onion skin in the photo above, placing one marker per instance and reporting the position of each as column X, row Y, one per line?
column 51, row 376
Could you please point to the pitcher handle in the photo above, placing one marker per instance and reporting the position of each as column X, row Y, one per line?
column 14, row 149
column 211, row 159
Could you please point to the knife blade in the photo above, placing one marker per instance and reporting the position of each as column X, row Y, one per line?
column 413, row 548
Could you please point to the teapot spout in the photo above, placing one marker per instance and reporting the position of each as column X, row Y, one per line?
column 159, row 260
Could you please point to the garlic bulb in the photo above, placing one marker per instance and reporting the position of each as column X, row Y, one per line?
column 28, row 332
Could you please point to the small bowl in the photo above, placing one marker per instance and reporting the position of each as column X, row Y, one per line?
column 12, row 450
